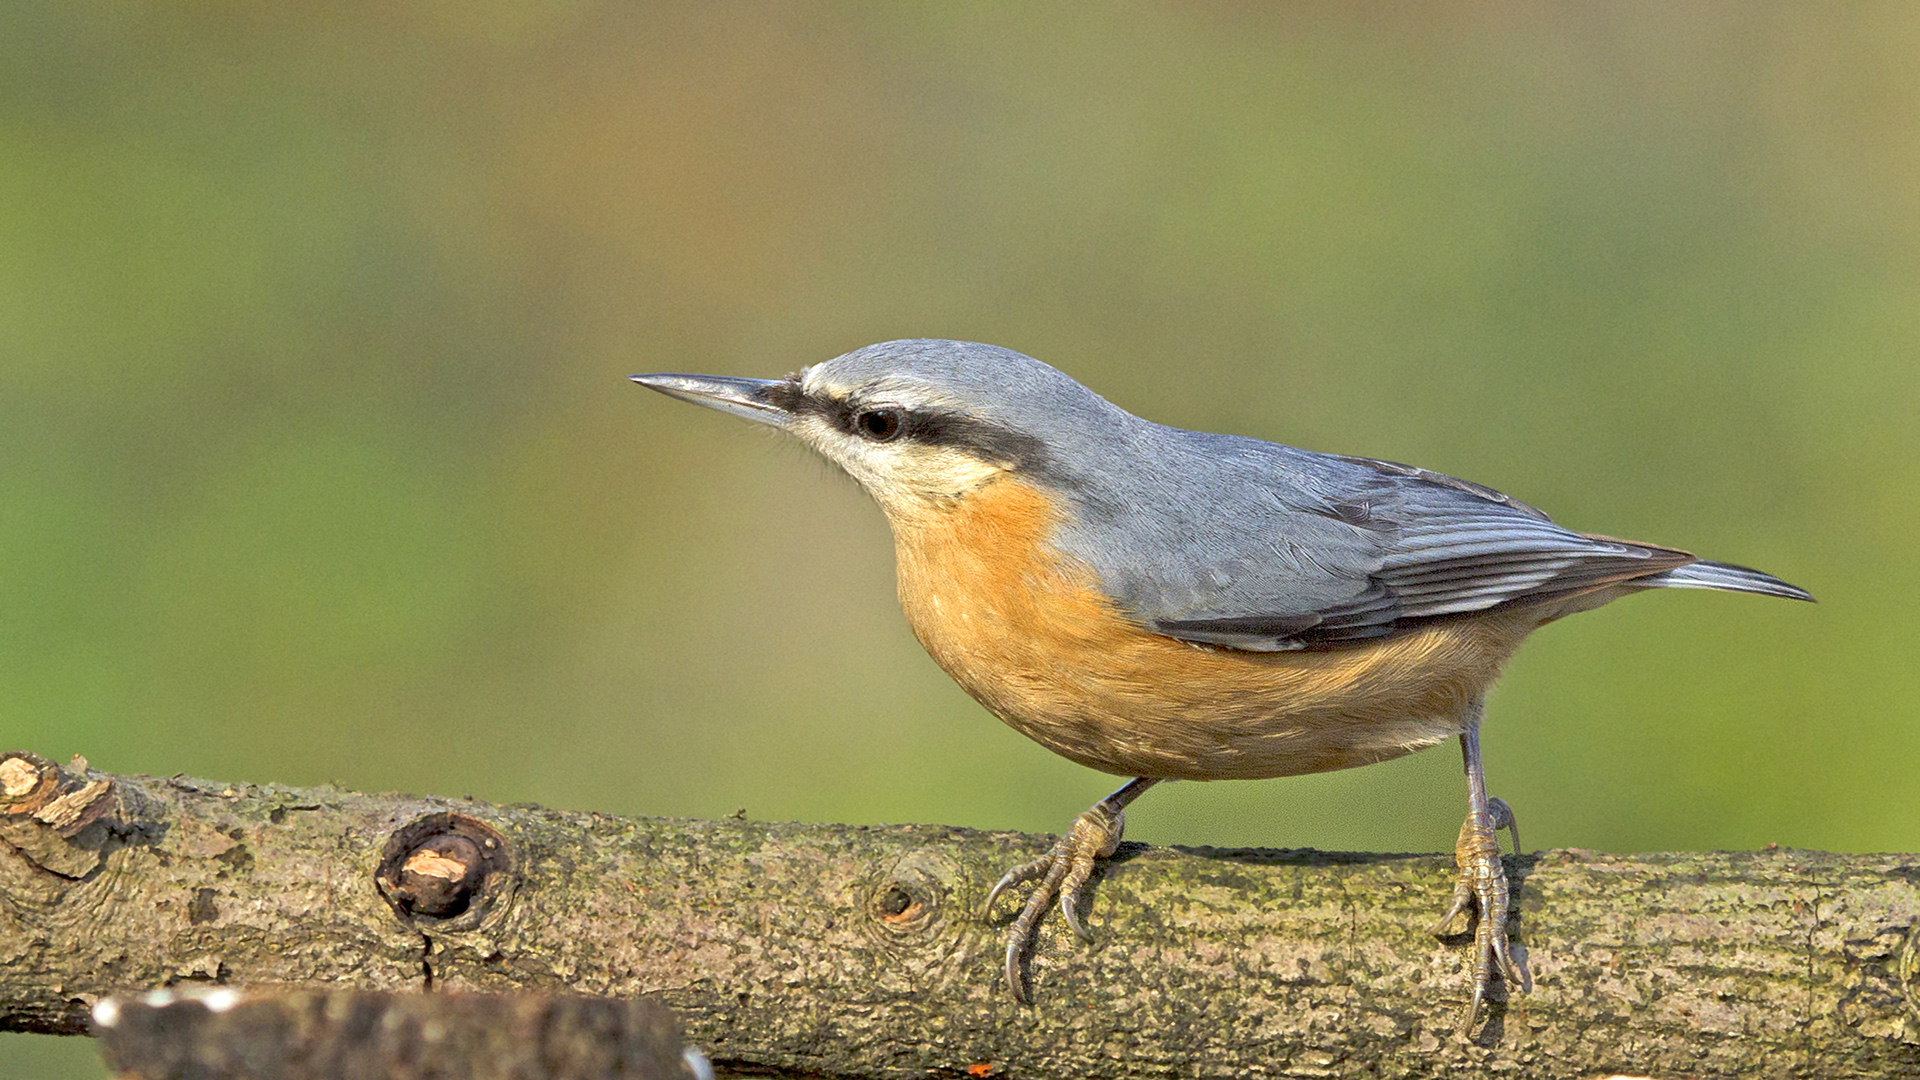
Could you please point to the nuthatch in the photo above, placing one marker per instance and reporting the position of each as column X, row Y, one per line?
column 1177, row 605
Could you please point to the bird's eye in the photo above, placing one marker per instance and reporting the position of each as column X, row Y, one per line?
column 880, row 425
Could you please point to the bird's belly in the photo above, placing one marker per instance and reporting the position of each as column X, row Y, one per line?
column 1034, row 640
column 1129, row 702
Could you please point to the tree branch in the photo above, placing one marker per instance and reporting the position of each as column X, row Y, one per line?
column 854, row 951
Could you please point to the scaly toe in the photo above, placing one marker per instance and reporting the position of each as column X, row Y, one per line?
column 1016, row 876
column 1462, row 902
column 1063, row 874
column 1482, row 886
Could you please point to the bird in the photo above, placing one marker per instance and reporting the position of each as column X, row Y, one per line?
column 1166, row 604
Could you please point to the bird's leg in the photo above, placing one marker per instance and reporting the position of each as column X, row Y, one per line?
column 1483, row 880
column 1063, row 873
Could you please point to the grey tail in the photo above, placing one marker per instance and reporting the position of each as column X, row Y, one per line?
column 1719, row 575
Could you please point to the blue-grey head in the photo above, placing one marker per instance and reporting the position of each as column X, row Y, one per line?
column 919, row 422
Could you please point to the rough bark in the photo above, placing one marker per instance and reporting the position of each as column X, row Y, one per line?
column 853, row 951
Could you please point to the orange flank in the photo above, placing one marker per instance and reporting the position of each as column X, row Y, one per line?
column 1029, row 633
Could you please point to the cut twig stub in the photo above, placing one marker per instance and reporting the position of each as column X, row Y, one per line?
column 446, row 869
column 44, row 809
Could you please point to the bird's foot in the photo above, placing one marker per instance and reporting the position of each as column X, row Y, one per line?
column 1062, row 873
column 1482, row 884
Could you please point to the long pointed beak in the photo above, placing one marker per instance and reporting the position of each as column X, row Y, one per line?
column 747, row 398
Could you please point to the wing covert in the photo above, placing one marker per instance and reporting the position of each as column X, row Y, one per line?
column 1440, row 547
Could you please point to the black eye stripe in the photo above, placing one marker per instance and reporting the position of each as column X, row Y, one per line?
column 982, row 438
column 932, row 427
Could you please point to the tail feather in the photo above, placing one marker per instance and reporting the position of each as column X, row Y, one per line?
column 1717, row 575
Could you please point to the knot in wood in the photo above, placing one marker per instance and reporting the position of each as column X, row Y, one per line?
column 443, row 869
column 906, row 901
column 438, row 877
column 899, row 905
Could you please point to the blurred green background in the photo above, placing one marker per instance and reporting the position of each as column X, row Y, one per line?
column 318, row 463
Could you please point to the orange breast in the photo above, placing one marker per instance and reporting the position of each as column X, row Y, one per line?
column 1030, row 635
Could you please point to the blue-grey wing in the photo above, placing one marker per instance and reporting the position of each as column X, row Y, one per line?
column 1286, row 549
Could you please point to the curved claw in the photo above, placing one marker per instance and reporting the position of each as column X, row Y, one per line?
column 1462, row 896
column 1080, row 869
column 1063, row 873
column 1069, row 912
column 1016, row 979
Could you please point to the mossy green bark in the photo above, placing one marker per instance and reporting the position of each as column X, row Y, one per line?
column 854, row 951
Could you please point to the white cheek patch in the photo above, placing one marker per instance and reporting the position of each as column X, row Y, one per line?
column 901, row 473
column 946, row 472
column 815, row 432
column 830, row 442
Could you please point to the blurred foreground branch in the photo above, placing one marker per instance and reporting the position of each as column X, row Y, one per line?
column 844, row 951
column 287, row 1034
